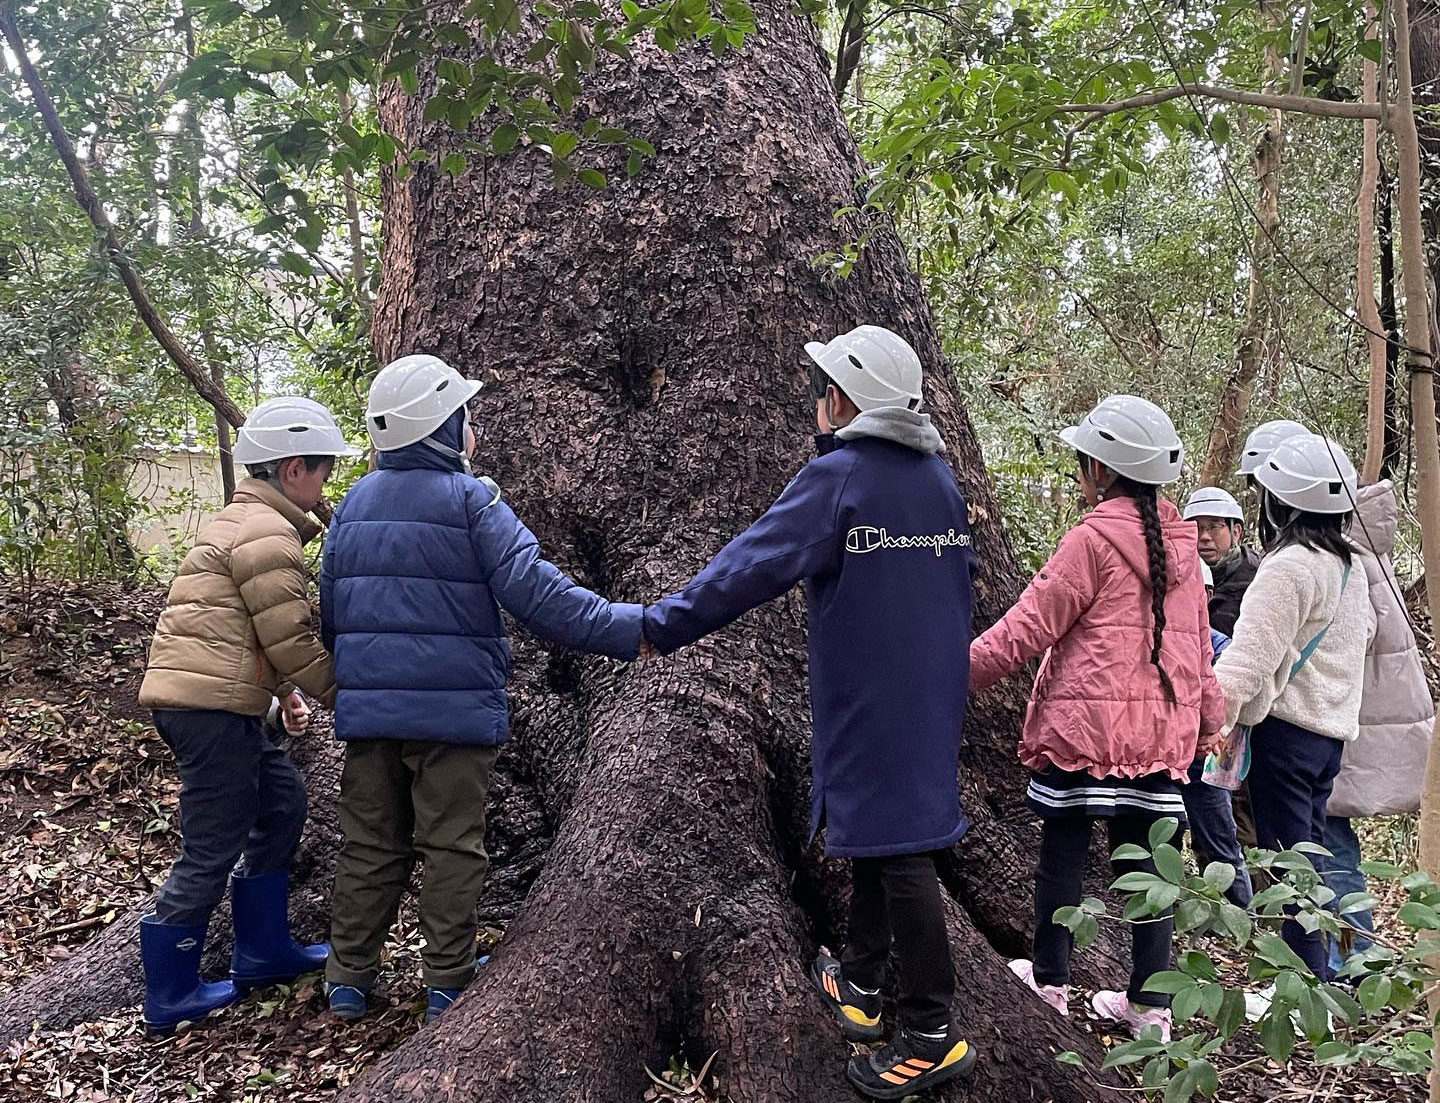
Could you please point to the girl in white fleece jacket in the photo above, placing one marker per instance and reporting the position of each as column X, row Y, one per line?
column 1301, row 697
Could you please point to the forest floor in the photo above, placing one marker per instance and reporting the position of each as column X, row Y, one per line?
column 88, row 829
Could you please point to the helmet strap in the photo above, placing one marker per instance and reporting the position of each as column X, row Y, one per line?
column 1273, row 507
column 450, row 453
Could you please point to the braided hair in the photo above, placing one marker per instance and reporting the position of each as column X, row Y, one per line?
column 1155, row 550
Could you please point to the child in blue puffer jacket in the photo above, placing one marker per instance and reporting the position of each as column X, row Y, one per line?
column 1208, row 808
column 420, row 560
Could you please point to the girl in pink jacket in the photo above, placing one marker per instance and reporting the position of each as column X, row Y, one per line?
column 1125, row 692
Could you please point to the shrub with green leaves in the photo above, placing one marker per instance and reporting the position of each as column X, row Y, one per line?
column 1368, row 1016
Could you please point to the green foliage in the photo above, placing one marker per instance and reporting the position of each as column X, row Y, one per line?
column 1368, row 1023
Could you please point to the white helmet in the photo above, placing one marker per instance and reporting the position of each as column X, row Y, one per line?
column 1131, row 436
column 411, row 398
column 1312, row 474
column 283, row 427
column 1263, row 440
column 873, row 366
column 1207, row 576
column 1211, row 501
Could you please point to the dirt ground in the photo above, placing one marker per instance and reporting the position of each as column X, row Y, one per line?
column 88, row 809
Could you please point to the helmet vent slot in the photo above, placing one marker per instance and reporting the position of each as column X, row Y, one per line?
column 443, row 384
column 854, row 360
column 1104, row 435
column 379, row 421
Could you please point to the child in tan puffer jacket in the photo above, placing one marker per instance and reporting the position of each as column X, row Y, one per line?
column 235, row 633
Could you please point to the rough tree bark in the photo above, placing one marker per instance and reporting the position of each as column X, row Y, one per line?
column 645, row 400
column 1223, row 447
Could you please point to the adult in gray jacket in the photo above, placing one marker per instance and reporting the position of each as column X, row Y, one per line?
column 1383, row 770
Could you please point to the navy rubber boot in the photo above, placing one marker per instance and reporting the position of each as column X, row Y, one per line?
column 174, row 992
column 438, row 1001
column 264, row 951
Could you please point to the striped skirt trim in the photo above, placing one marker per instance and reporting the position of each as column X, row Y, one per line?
column 1056, row 793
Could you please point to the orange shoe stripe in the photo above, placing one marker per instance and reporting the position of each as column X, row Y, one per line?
column 892, row 1078
column 919, row 1065
column 829, row 982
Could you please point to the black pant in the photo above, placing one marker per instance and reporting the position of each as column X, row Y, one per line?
column 1292, row 772
column 900, row 895
column 240, row 796
column 1059, row 882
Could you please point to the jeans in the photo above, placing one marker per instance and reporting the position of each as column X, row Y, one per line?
column 1291, row 774
column 899, row 896
column 240, row 798
column 1059, row 881
column 1212, row 833
column 1342, row 874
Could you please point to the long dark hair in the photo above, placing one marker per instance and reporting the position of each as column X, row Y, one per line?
column 1320, row 532
column 1144, row 496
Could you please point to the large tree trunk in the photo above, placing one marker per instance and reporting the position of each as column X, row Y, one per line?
column 645, row 401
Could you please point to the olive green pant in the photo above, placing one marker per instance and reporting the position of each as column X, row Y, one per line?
column 399, row 800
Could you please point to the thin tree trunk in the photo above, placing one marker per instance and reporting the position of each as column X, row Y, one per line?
column 200, row 287
column 850, row 46
column 1420, row 362
column 1390, row 318
column 358, row 274
column 1365, row 307
column 1224, row 445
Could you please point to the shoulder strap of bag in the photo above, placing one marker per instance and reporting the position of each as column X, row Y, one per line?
column 1309, row 648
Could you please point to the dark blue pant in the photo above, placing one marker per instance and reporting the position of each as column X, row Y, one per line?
column 1342, row 874
column 1212, row 833
column 1291, row 774
column 240, row 797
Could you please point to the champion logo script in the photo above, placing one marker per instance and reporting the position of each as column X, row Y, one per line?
column 864, row 539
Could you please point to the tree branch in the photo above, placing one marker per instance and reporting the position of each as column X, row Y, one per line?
column 1302, row 105
column 192, row 369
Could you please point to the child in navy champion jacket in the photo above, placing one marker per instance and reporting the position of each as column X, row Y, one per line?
column 876, row 528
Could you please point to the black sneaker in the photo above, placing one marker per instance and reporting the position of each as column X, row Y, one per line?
column 857, row 1013
column 911, row 1064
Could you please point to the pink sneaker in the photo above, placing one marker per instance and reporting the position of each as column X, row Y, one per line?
column 1056, row 996
column 1117, row 1006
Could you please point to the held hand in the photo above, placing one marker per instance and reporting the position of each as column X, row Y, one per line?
column 1210, row 744
column 647, row 652
column 296, row 713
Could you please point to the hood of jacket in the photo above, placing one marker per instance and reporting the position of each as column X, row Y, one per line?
column 420, row 456
column 906, row 427
column 1117, row 521
column 1376, row 517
